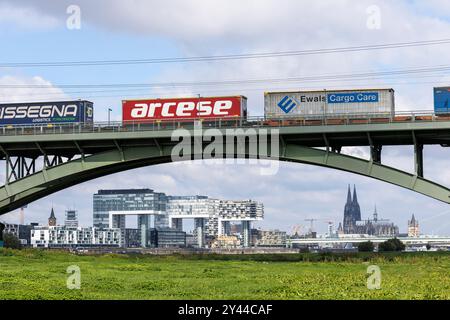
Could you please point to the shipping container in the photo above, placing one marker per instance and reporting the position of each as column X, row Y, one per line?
column 43, row 113
column 151, row 110
column 329, row 104
column 441, row 100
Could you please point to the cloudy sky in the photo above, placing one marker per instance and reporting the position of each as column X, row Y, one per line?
column 40, row 31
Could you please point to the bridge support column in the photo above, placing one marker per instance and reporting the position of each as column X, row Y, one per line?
column 418, row 159
column 375, row 153
column 246, row 233
column 199, row 224
column 418, row 156
column 19, row 167
column 336, row 149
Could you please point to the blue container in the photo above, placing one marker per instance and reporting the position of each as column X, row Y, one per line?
column 43, row 113
column 442, row 100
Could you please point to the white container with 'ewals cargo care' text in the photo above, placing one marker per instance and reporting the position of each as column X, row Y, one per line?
column 330, row 104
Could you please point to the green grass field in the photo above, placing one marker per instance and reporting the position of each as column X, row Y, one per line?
column 34, row 274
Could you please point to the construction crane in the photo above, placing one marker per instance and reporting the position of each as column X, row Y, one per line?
column 22, row 214
column 329, row 221
column 311, row 229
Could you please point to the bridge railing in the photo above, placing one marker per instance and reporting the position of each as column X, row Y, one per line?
column 233, row 122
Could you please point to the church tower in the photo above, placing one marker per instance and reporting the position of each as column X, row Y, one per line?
column 348, row 217
column 413, row 227
column 355, row 206
column 52, row 219
column 352, row 211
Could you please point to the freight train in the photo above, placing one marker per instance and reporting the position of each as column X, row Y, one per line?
column 284, row 108
column 280, row 108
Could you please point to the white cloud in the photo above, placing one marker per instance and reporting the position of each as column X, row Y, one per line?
column 26, row 17
column 30, row 93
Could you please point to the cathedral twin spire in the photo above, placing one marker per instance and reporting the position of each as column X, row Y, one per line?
column 352, row 211
column 355, row 198
column 349, row 195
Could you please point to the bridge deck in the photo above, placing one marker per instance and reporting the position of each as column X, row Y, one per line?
column 51, row 159
column 67, row 140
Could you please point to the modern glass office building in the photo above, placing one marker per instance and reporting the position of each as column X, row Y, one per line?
column 211, row 217
column 166, row 238
column 127, row 200
column 71, row 219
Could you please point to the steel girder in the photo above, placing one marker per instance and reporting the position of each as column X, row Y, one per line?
column 52, row 179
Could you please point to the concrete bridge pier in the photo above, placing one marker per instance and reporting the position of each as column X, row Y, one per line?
column 144, row 226
column 246, row 227
column 199, row 225
column 226, row 228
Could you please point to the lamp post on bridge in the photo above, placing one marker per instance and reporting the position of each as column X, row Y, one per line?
column 109, row 116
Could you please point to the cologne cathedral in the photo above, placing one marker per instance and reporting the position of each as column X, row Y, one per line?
column 353, row 224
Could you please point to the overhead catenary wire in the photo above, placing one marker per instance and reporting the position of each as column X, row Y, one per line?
column 125, row 93
column 225, row 57
column 126, row 89
column 86, row 91
column 336, row 77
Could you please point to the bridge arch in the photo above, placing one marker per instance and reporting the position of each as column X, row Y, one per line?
column 53, row 179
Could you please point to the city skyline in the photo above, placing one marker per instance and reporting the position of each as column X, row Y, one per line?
column 319, row 225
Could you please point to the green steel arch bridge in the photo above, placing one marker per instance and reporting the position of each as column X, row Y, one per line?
column 40, row 160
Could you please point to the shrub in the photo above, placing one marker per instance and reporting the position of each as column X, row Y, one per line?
column 11, row 241
column 366, row 246
column 391, row 245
